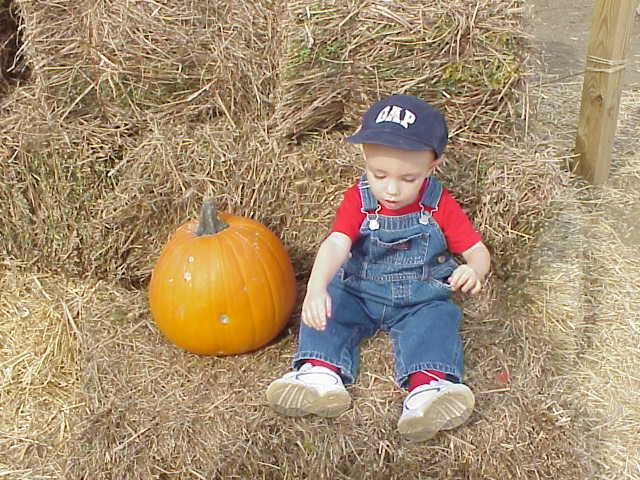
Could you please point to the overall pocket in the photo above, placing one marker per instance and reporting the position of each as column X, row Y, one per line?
column 442, row 267
column 386, row 249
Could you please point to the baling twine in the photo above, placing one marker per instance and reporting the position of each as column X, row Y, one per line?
column 614, row 65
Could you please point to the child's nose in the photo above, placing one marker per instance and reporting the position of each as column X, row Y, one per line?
column 392, row 188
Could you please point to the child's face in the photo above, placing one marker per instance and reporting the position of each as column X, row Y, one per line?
column 395, row 176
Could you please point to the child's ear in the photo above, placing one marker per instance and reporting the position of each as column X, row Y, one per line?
column 435, row 164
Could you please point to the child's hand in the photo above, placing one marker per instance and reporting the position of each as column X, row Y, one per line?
column 466, row 279
column 316, row 308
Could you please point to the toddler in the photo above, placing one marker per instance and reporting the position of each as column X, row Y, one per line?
column 387, row 264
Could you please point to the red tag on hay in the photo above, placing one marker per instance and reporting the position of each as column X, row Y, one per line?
column 502, row 377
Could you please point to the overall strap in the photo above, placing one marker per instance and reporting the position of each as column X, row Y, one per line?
column 369, row 202
column 432, row 194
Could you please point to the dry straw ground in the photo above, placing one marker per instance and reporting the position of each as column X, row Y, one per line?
column 124, row 115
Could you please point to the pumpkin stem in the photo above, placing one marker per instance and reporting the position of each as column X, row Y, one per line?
column 210, row 224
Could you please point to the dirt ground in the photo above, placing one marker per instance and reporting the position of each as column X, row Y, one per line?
column 561, row 29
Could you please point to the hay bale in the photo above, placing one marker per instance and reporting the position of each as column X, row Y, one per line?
column 110, row 217
column 339, row 57
column 40, row 370
column 152, row 409
column 583, row 291
column 125, row 60
column 105, row 78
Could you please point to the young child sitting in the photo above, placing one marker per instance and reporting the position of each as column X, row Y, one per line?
column 387, row 264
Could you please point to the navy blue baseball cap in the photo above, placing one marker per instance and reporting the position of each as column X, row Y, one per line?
column 405, row 122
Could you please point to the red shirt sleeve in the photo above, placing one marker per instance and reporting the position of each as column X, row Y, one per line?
column 455, row 224
column 349, row 214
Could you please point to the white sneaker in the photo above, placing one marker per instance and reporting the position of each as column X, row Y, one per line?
column 439, row 405
column 312, row 389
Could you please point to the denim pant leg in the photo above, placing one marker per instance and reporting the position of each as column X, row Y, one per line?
column 427, row 338
column 338, row 343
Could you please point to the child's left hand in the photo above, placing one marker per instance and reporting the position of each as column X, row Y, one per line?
column 466, row 279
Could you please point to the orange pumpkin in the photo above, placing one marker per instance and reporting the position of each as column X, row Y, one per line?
column 222, row 286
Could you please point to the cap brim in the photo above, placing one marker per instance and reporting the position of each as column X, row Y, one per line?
column 389, row 139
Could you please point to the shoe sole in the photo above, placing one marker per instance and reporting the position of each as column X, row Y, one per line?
column 450, row 409
column 298, row 400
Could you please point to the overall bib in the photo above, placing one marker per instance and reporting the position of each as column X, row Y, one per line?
column 394, row 281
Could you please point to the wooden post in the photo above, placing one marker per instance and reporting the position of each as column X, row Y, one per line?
column 606, row 58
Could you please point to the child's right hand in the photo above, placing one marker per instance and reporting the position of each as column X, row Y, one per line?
column 316, row 308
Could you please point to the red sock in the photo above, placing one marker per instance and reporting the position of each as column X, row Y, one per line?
column 424, row 377
column 320, row 363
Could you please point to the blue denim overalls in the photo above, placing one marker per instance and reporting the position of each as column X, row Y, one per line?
column 395, row 281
